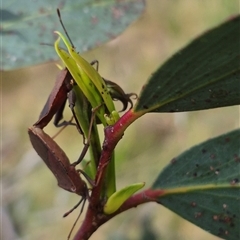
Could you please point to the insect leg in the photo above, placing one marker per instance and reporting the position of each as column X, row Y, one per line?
column 84, row 151
column 95, row 62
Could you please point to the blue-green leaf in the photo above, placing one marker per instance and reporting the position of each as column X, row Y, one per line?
column 202, row 185
column 116, row 200
column 205, row 74
column 26, row 24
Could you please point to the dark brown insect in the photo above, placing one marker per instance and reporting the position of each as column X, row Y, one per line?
column 57, row 161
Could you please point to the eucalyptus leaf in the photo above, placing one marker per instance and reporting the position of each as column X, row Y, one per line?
column 202, row 185
column 205, row 74
column 116, row 200
column 25, row 25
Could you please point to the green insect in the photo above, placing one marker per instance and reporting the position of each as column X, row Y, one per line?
column 89, row 81
column 92, row 93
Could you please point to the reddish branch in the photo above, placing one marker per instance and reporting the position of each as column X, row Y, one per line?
column 95, row 217
column 113, row 134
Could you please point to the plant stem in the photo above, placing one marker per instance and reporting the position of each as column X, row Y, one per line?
column 95, row 217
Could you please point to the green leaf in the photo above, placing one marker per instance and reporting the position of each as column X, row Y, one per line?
column 202, row 185
column 203, row 75
column 118, row 198
column 89, row 23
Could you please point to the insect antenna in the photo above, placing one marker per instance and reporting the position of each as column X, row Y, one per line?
column 65, row 30
column 67, row 213
column 76, row 206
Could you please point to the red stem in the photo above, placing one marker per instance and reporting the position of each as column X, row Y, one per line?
column 113, row 135
column 93, row 220
column 95, row 217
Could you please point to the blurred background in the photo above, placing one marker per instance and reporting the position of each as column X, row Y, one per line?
column 33, row 205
